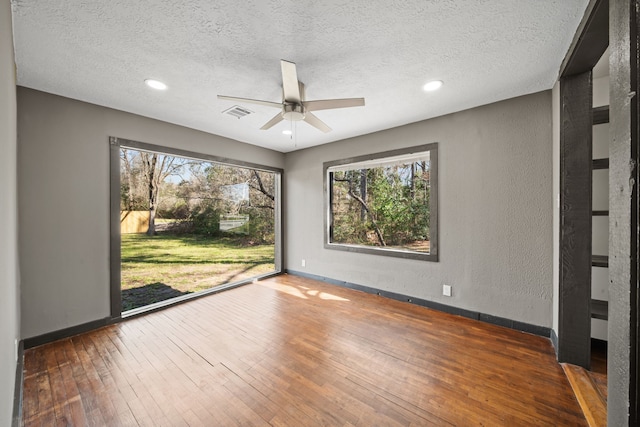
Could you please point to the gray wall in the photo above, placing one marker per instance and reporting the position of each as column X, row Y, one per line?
column 63, row 188
column 9, row 277
column 495, row 211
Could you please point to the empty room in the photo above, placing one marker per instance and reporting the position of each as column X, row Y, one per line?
column 338, row 213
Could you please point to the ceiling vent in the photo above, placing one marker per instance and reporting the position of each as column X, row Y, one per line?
column 237, row 112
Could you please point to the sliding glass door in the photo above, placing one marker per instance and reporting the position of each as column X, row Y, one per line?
column 188, row 224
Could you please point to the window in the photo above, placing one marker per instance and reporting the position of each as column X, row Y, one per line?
column 384, row 203
column 185, row 224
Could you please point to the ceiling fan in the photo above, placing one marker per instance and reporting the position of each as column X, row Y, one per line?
column 294, row 107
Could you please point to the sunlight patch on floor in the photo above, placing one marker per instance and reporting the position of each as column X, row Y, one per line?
column 302, row 291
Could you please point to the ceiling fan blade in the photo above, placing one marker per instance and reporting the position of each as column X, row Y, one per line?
column 316, row 122
column 275, row 120
column 328, row 104
column 290, row 85
column 251, row 101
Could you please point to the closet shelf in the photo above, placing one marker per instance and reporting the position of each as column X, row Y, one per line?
column 600, row 115
column 600, row 164
column 599, row 309
column 599, row 261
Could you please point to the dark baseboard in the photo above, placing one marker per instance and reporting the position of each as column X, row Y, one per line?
column 487, row 318
column 500, row 321
column 68, row 332
column 17, row 392
column 600, row 344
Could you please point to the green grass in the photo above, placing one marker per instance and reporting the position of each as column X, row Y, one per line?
column 163, row 266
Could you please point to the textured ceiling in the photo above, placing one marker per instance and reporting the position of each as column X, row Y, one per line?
column 101, row 52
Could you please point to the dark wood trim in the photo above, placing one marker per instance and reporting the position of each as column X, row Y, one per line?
column 433, row 209
column 599, row 261
column 600, row 213
column 487, row 318
column 144, row 146
column 278, row 226
column 17, row 393
column 634, row 326
column 67, row 332
column 574, row 327
column 115, row 291
column 600, row 164
column 599, row 309
column 590, row 41
column 328, row 217
column 600, row 115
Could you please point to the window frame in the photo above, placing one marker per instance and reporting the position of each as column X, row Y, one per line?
column 432, row 148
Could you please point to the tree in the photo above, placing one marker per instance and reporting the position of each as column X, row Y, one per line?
column 128, row 178
column 143, row 176
column 385, row 206
column 349, row 178
column 206, row 192
column 156, row 168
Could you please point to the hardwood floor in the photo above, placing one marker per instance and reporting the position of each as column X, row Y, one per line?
column 290, row 351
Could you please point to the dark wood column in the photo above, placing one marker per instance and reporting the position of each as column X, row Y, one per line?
column 574, row 338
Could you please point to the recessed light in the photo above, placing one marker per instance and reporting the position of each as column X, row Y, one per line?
column 433, row 85
column 287, row 132
column 156, row 84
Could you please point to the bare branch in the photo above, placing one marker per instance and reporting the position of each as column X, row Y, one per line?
column 261, row 186
column 359, row 199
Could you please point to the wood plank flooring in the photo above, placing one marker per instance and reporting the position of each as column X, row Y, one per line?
column 592, row 403
column 290, row 351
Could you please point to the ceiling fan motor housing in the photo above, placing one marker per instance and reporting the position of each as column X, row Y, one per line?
column 293, row 112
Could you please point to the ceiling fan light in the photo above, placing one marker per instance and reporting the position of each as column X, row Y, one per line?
column 155, row 84
column 433, row 85
column 287, row 132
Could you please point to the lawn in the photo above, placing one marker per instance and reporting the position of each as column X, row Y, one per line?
column 156, row 268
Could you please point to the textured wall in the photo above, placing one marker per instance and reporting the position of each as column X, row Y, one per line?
column 63, row 164
column 620, row 205
column 556, row 206
column 495, row 211
column 9, row 277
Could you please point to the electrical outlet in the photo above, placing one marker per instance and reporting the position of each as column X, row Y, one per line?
column 446, row 290
column 304, row 263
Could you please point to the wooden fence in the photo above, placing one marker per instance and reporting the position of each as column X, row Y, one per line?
column 134, row 222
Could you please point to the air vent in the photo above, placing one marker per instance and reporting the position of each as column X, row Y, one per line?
column 237, row 112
